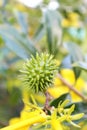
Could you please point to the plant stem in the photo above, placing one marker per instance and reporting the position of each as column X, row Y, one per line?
column 46, row 106
column 71, row 87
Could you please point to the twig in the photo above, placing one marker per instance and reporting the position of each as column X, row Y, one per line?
column 46, row 106
column 71, row 87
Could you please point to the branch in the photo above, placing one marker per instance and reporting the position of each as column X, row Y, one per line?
column 46, row 105
column 71, row 87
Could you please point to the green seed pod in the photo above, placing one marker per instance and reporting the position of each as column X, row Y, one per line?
column 38, row 72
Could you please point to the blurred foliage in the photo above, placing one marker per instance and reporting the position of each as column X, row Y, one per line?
column 60, row 31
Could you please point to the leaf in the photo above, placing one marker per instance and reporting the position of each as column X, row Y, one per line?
column 80, row 107
column 19, row 44
column 48, row 30
column 12, row 44
column 66, row 63
column 74, row 51
column 62, row 98
column 81, row 65
column 72, row 3
column 12, row 60
column 3, row 52
column 24, row 40
column 15, row 96
column 22, row 19
column 75, row 55
column 39, row 33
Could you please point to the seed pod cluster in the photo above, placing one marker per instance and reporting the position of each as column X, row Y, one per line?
column 38, row 72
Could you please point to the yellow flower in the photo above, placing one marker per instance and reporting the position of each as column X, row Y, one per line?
column 26, row 119
column 13, row 82
column 25, row 95
column 72, row 20
column 59, row 88
column 68, row 75
column 35, row 115
column 55, row 124
column 24, row 125
column 20, row 7
column 58, row 91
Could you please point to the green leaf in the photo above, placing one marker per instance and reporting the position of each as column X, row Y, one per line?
column 80, row 107
column 39, row 33
column 72, row 3
column 49, row 30
column 13, row 45
column 12, row 60
column 22, row 19
column 23, row 40
column 15, row 96
column 74, row 51
column 75, row 55
column 62, row 98
column 18, row 43
column 66, row 62
column 81, row 65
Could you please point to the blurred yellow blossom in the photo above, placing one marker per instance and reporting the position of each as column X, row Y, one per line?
column 26, row 119
column 72, row 20
column 0, row 2
column 59, row 88
column 13, row 83
column 58, row 91
column 20, row 7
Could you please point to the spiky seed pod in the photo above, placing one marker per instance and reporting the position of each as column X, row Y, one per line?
column 38, row 72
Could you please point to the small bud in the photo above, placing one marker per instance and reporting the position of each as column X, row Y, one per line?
column 71, row 109
column 65, row 103
column 77, row 116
